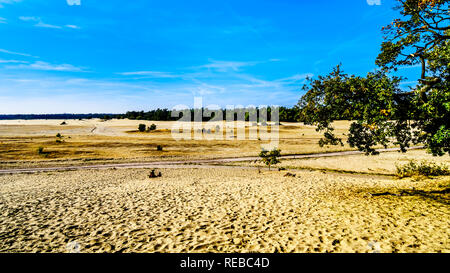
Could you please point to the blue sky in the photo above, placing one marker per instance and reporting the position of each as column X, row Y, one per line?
column 114, row 56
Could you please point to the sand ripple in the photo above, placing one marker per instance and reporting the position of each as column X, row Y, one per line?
column 201, row 210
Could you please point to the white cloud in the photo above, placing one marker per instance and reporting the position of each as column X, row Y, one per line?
column 74, row 2
column 58, row 93
column 29, row 18
column 374, row 2
column 72, row 26
column 48, row 67
column 296, row 78
column 152, row 74
column 224, row 66
column 2, row 2
column 12, row 62
column 40, row 23
column 14, row 53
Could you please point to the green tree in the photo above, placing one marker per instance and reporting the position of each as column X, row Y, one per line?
column 270, row 158
column 421, row 37
column 142, row 127
column 383, row 113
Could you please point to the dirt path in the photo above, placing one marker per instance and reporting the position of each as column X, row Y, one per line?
column 184, row 164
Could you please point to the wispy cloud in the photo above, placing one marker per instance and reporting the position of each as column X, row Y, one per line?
column 12, row 62
column 2, row 2
column 2, row 20
column 219, row 77
column 151, row 74
column 296, row 78
column 58, row 94
column 224, row 66
column 72, row 26
column 15, row 53
column 47, row 67
column 39, row 23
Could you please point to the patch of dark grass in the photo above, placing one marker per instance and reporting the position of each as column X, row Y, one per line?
column 423, row 168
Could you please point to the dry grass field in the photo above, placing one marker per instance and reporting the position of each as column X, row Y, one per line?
column 118, row 140
column 346, row 203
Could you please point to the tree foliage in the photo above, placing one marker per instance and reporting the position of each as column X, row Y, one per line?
column 383, row 113
column 142, row 127
column 270, row 158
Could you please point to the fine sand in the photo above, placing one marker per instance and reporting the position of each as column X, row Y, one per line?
column 221, row 210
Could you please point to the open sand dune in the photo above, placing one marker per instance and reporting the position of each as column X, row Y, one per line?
column 209, row 210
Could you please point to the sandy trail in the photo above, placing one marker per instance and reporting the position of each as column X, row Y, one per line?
column 204, row 163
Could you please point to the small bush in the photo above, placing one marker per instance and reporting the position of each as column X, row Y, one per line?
column 152, row 127
column 423, row 168
column 40, row 150
column 58, row 141
column 58, row 135
column 270, row 158
column 142, row 127
column 159, row 148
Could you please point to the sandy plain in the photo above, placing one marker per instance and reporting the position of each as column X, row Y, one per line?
column 337, row 204
column 118, row 140
column 213, row 210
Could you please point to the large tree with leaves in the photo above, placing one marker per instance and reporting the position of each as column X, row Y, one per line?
column 385, row 114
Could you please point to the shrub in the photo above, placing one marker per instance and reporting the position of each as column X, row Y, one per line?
column 159, row 148
column 142, row 127
column 152, row 127
column 58, row 135
column 270, row 158
column 424, row 168
column 40, row 150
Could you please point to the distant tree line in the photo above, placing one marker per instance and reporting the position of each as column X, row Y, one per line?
column 56, row 116
column 286, row 114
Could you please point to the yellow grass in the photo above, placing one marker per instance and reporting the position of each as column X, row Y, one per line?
column 118, row 139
